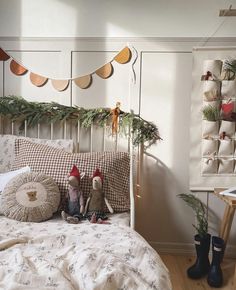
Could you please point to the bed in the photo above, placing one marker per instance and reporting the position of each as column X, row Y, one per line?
column 54, row 254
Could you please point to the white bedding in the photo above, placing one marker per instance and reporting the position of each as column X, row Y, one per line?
column 54, row 255
column 122, row 219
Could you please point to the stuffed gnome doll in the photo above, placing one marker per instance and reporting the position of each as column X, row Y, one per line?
column 94, row 209
column 75, row 199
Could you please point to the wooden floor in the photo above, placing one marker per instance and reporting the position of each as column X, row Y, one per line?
column 177, row 266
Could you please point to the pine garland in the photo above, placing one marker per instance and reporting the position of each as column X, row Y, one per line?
column 18, row 109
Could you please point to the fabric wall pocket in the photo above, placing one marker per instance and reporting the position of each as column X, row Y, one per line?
column 210, row 128
column 209, row 166
column 227, row 107
column 226, row 166
column 209, row 146
column 227, row 127
column 228, row 89
column 211, row 90
column 213, row 66
column 227, row 73
column 215, row 104
column 226, row 148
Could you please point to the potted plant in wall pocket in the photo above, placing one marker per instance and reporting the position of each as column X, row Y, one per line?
column 202, row 239
column 211, row 117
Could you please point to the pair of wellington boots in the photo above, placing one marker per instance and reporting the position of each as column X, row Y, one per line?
column 202, row 265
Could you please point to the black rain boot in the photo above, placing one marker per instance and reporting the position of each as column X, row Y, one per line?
column 215, row 276
column 202, row 264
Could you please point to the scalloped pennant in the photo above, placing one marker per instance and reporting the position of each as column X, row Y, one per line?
column 105, row 71
column 83, row 82
column 60, row 85
column 38, row 80
column 3, row 55
column 17, row 69
column 123, row 56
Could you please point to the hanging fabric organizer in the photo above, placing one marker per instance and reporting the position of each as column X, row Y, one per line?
column 218, row 125
column 213, row 119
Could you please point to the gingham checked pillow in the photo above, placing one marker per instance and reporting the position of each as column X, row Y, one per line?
column 58, row 163
column 7, row 145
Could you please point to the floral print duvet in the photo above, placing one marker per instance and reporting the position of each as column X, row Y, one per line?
column 61, row 256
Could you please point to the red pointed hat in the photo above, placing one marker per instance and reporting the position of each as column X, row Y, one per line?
column 75, row 172
column 97, row 173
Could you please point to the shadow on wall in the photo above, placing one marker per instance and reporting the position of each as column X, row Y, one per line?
column 159, row 18
column 162, row 217
column 11, row 20
column 213, row 222
column 81, row 60
column 156, row 208
column 82, row 64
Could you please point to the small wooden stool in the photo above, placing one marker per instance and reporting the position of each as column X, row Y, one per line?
column 227, row 220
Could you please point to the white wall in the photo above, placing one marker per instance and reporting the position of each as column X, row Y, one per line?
column 162, row 94
column 123, row 18
column 163, row 89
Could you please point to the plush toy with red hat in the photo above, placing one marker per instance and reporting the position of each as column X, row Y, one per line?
column 94, row 209
column 75, row 200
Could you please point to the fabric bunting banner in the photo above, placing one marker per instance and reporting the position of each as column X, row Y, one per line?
column 83, row 82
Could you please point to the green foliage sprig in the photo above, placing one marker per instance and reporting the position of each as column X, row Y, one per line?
column 211, row 113
column 18, row 109
column 200, row 210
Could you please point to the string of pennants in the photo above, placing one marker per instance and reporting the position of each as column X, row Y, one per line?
column 83, row 82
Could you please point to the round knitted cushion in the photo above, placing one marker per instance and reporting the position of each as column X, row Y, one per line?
column 30, row 197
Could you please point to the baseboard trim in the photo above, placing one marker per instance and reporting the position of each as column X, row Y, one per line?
column 173, row 248
column 185, row 249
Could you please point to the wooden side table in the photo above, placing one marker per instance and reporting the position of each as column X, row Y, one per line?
column 227, row 220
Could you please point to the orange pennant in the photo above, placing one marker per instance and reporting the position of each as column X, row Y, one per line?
column 105, row 71
column 38, row 80
column 3, row 55
column 17, row 69
column 60, row 85
column 123, row 56
column 83, row 82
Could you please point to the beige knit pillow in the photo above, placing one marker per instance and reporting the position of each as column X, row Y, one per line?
column 30, row 197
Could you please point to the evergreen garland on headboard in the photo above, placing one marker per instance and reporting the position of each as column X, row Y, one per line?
column 18, row 109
